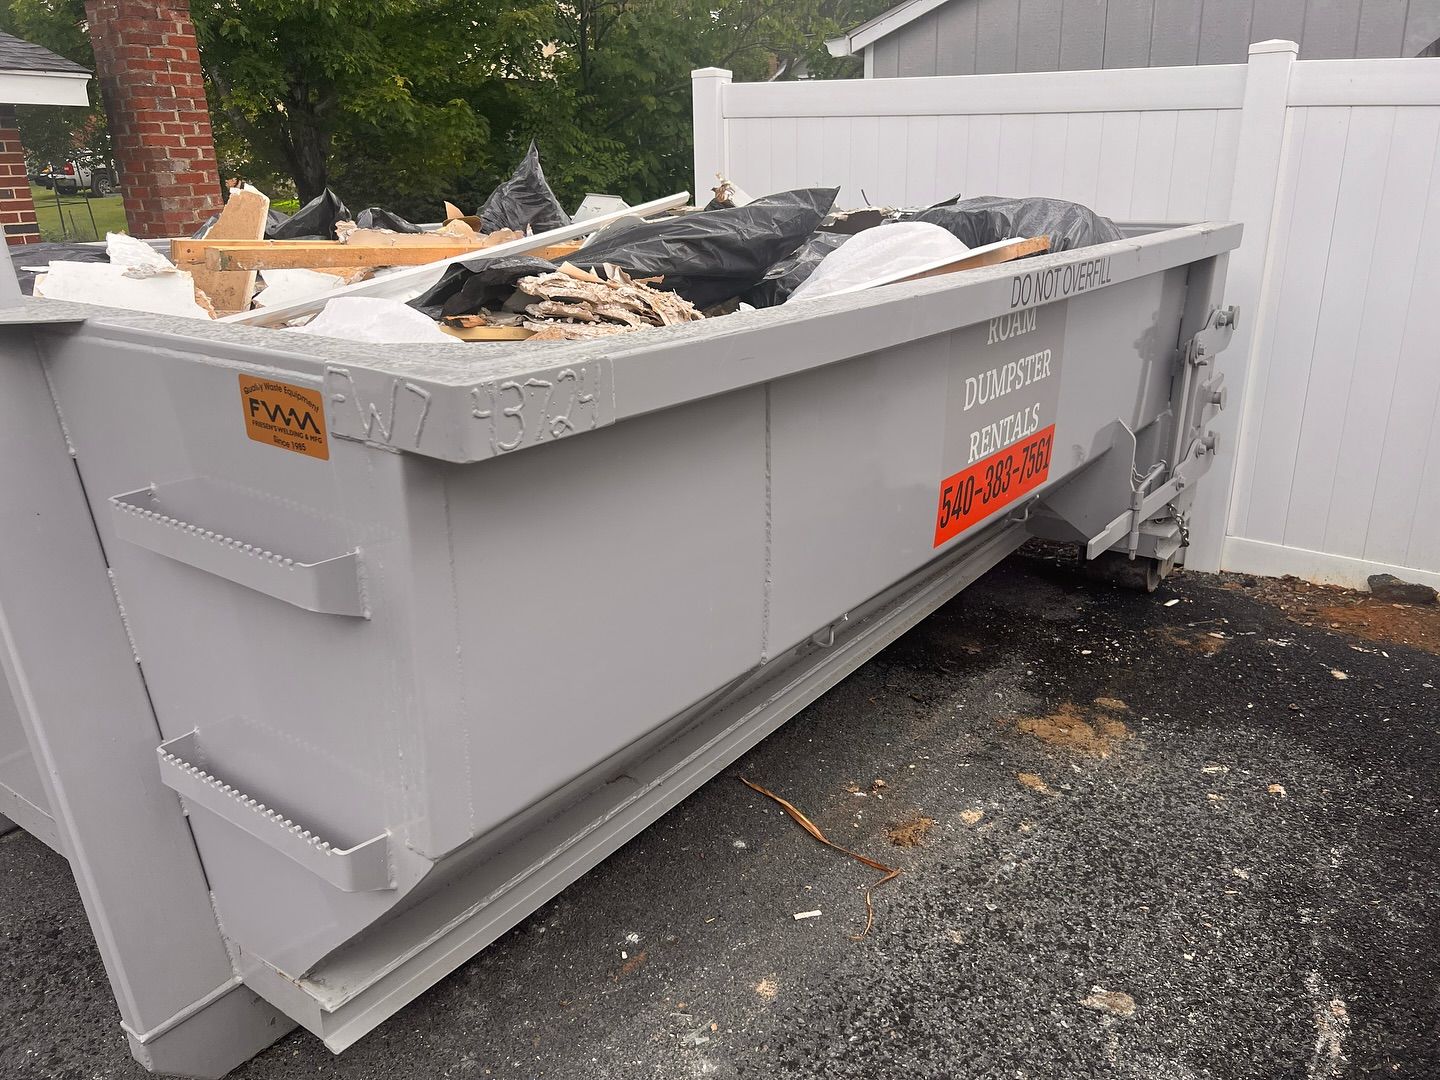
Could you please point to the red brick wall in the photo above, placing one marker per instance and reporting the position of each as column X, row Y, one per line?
column 17, row 209
column 148, row 65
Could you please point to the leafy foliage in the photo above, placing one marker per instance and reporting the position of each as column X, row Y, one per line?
column 53, row 133
column 402, row 103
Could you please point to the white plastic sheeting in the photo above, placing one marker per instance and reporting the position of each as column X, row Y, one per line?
column 887, row 252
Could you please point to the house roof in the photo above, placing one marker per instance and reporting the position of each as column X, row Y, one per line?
column 17, row 54
column 884, row 24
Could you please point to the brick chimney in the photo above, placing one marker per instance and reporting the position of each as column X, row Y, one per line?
column 17, row 209
column 148, row 65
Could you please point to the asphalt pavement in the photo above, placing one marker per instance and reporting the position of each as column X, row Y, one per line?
column 1148, row 840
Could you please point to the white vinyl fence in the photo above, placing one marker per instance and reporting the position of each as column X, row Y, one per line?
column 1330, row 460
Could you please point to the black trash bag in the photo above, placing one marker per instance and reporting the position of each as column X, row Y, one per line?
column 987, row 219
column 785, row 276
column 523, row 200
column 467, row 288
column 52, row 251
column 313, row 221
column 375, row 218
column 716, row 255
column 273, row 220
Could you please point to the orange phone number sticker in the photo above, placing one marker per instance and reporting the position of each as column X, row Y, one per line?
column 978, row 491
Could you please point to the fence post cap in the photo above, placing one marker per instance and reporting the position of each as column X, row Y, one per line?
column 1274, row 45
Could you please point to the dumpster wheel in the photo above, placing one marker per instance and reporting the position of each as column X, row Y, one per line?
column 1140, row 572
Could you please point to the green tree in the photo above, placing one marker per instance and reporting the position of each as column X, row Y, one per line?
column 54, row 133
column 405, row 102
column 310, row 82
column 613, row 111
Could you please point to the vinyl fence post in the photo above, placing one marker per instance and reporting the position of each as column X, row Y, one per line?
column 711, row 144
column 1259, row 162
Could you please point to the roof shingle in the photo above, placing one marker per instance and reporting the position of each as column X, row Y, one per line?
column 17, row 54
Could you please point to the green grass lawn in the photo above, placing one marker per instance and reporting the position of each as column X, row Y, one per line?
column 72, row 219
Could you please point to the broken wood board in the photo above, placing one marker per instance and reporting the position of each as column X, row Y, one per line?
column 243, row 218
column 990, row 255
column 558, row 252
column 313, row 254
column 1002, row 251
column 488, row 333
column 411, row 281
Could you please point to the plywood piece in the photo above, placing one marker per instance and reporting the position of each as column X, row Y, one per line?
column 558, row 252
column 242, row 219
column 488, row 333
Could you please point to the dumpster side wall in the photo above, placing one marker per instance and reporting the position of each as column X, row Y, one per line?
column 492, row 672
column 1327, row 466
column 307, row 713
column 602, row 585
column 528, row 617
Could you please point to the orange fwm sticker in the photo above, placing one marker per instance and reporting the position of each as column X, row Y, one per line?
column 975, row 493
column 281, row 414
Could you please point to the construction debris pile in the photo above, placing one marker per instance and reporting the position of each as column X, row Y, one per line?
column 570, row 303
column 521, row 269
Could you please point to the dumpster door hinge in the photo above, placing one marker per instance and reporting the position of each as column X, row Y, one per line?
column 1155, row 524
column 1218, row 330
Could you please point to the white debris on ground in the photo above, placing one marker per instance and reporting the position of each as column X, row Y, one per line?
column 1332, row 1026
column 1113, row 1002
column 137, row 277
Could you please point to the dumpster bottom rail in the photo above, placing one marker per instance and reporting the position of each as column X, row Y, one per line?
column 360, row 986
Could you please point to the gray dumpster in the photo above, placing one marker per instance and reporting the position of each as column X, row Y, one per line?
column 407, row 638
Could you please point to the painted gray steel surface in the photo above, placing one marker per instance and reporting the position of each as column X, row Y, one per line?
column 976, row 37
column 563, row 587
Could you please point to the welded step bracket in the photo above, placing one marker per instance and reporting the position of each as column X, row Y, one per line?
column 365, row 867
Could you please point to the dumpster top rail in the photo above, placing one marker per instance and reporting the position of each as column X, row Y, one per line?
column 441, row 401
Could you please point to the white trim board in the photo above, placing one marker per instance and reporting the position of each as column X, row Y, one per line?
column 1218, row 86
column 43, row 88
column 883, row 25
column 1244, row 556
column 1413, row 81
